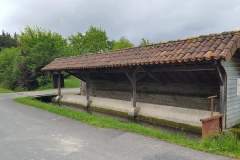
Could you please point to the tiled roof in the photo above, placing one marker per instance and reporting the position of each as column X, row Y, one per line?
column 202, row 48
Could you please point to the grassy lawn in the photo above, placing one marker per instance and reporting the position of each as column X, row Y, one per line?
column 70, row 82
column 3, row 90
column 224, row 144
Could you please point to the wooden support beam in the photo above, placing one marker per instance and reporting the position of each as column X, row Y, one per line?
column 212, row 107
column 222, row 87
column 183, row 69
column 59, row 85
column 223, row 98
column 80, row 84
column 88, row 87
column 78, row 75
column 220, row 76
column 132, row 78
column 134, row 90
column 222, row 92
column 153, row 77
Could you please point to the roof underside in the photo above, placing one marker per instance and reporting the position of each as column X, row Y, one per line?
column 198, row 49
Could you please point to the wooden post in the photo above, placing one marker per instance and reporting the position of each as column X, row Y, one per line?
column 80, row 92
column 212, row 104
column 133, row 80
column 222, row 93
column 88, row 91
column 134, row 91
column 59, row 85
column 221, row 98
column 221, row 78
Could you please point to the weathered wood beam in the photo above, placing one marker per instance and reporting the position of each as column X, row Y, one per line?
column 144, row 69
column 153, row 77
column 78, row 75
column 88, row 87
column 220, row 76
column 84, row 76
column 132, row 78
column 59, row 85
column 222, row 92
column 183, row 70
column 222, row 87
column 134, row 91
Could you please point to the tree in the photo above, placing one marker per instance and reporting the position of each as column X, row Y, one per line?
column 7, row 41
column 95, row 40
column 76, row 44
column 9, row 71
column 144, row 42
column 38, row 48
column 121, row 43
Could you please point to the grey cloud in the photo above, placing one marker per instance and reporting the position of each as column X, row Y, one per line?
column 152, row 19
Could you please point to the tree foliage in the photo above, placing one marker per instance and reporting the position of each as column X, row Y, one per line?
column 38, row 48
column 122, row 43
column 95, row 40
column 9, row 71
column 34, row 47
column 144, row 42
column 76, row 44
column 7, row 41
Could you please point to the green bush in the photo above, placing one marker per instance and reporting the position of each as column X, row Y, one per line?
column 9, row 71
column 20, row 68
column 39, row 47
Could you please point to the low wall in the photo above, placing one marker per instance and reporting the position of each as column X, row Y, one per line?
column 186, row 119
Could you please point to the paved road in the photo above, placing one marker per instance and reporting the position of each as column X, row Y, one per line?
column 31, row 134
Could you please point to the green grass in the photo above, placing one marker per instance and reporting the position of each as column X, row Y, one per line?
column 224, row 144
column 70, row 82
column 4, row 90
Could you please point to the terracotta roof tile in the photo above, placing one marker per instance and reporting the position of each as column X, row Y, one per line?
column 202, row 48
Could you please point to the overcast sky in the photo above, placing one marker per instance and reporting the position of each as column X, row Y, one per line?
column 156, row 20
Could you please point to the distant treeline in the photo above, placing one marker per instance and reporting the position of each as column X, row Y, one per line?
column 23, row 55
